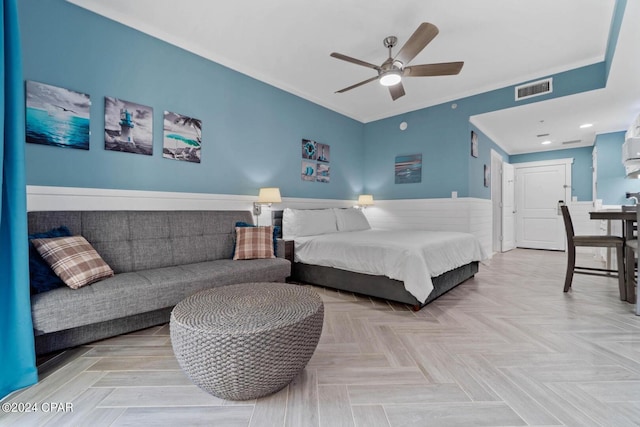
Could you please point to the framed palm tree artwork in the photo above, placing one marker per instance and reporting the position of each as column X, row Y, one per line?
column 182, row 137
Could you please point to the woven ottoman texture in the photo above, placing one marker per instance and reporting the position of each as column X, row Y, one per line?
column 241, row 342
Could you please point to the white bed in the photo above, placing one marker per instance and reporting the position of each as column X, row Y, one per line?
column 413, row 257
column 337, row 248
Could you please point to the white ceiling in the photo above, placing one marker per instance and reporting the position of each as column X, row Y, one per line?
column 287, row 43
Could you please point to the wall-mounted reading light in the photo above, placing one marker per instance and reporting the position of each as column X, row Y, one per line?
column 365, row 200
column 267, row 196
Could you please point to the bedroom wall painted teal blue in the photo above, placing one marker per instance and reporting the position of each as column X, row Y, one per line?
column 476, row 164
column 251, row 131
column 612, row 183
column 441, row 134
column 581, row 172
column 614, row 32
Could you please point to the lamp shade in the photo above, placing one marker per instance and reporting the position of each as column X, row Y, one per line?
column 365, row 200
column 269, row 195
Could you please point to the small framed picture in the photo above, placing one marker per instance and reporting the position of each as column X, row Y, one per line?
column 487, row 175
column 474, row 144
column 57, row 116
column 128, row 126
column 408, row 169
column 308, row 170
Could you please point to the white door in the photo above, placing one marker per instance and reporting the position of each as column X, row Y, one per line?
column 496, row 199
column 594, row 171
column 508, row 207
column 539, row 222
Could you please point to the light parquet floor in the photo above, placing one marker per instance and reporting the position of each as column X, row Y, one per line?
column 507, row 348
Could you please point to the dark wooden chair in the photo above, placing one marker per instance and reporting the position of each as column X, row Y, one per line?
column 633, row 245
column 603, row 241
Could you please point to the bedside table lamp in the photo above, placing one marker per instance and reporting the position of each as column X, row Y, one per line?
column 365, row 200
column 267, row 196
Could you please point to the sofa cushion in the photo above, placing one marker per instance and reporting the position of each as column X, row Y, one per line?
column 254, row 243
column 127, row 294
column 41, row 277
column 118, row 296
column 276, row 233
column 228, row 272
column 73, row 259
column 139, row 240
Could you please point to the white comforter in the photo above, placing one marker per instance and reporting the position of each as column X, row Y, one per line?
column 407, row 255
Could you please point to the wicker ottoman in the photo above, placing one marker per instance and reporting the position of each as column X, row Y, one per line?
column 245, row 341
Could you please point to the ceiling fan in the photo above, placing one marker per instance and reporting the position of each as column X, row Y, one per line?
column 391, row 72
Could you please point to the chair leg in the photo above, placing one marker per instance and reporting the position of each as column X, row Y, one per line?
column 571, row 264
column 621, row 273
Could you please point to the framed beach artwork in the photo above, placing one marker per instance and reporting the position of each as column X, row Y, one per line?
column 322, row 173
column 323, row 153
column 474, row 144
column 309, row 149
column 56, row 116
column 182, row 137
column 315, row 161
column 308, row 172
column 128, row 127
column 408, row 169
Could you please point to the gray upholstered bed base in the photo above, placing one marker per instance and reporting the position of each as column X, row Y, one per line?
column 379, row 286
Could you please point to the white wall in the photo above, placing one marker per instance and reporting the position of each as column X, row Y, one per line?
column 465, row 214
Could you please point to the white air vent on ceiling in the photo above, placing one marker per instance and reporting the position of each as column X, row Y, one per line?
column 573, row 141
column 541, row 87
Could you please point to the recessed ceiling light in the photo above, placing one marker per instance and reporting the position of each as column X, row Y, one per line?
column 547, row 142
column 586, row 125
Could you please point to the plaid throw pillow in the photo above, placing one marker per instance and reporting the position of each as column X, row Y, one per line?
column 73, row 259
column 254, row 243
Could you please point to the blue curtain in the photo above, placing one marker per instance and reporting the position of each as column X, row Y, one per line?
column 17, row 356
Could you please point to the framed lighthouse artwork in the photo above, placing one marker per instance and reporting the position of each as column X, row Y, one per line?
column 128, row 127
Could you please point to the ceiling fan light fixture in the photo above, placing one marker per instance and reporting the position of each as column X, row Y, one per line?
column 390, row 78
column 392, row 71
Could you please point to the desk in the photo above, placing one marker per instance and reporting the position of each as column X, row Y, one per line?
column 628, row 218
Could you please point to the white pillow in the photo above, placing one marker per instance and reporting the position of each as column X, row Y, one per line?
column 351, row 220
column 307, row 222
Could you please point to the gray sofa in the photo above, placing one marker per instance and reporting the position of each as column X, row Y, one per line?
column 159, row 258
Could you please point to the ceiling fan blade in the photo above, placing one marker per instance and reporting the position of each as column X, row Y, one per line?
column 357, row 84
column 441, row 69
column 396, row 91
column 418, row 40
column 354, row 60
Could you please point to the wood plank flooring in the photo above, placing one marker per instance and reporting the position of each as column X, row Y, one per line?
column 507, row 348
